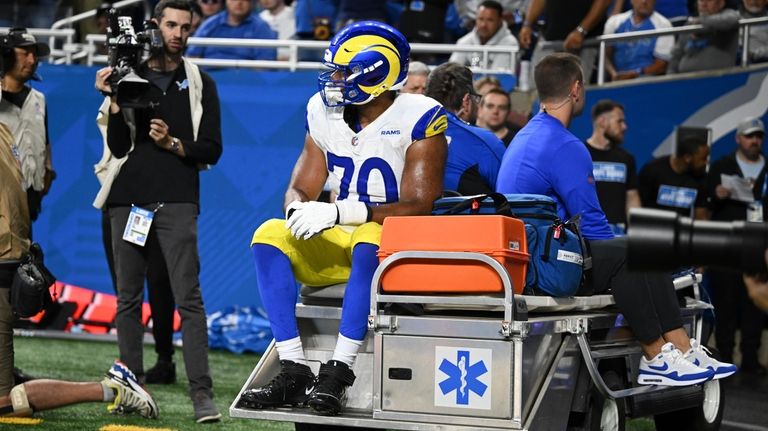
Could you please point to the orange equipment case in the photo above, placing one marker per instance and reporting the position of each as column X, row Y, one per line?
column 500, row 237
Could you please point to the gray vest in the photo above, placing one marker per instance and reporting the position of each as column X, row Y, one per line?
column 27, row 125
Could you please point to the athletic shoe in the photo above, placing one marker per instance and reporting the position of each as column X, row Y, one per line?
column 291, row 386
column 205, row 409
column 130, row 397
column 329, row 394
column 701, row 357
column 669, row 368
column 162, row 373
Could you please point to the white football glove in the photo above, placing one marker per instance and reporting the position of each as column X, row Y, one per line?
column 307, row 219
column 310, row 218
column 291, row 207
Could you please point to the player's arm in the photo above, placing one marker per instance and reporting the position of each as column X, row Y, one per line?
column 309, row 174
column 422, row 180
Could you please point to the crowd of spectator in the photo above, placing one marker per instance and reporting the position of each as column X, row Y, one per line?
column 529, row 28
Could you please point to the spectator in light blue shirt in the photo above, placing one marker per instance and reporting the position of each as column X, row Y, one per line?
column 630, row 59
column 236, row 21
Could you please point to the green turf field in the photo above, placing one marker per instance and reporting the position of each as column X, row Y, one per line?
column 87, row 361
column 84, row 361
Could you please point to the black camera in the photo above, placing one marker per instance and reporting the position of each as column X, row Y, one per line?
column 125, row 49
column 663, row 240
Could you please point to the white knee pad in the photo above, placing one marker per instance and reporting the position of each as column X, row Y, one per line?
column 19, row 401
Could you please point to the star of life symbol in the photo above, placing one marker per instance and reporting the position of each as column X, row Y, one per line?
column 462, row 377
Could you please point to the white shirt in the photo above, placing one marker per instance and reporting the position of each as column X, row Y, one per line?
column 368, row 165
column 284, row 24
column 503, row 37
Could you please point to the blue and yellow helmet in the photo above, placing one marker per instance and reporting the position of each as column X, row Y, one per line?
column 365, row 59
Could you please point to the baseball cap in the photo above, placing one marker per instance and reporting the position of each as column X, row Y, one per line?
column 750, row 125
column 18, row 37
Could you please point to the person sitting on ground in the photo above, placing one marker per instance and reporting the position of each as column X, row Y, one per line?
column 546, row 158
column 384, row 156
column 119, row 388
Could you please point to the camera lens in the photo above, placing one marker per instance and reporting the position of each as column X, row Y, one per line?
column 662, row 240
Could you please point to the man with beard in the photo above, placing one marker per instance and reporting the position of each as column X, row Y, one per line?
column 474, row 154
column 734, row 308
column 546, row 158
column 613, row 167
column 159, row 150
column 676, row 182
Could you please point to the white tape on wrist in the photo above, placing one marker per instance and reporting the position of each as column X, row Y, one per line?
column 352, row 213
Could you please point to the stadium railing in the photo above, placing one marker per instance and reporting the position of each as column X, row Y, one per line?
column 71, row 52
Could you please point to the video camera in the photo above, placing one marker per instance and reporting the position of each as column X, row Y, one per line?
column 663, row 240
column 125, row 48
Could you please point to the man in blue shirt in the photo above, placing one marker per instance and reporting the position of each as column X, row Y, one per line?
column 649, row 56
column 545, row 158
column 237, row 21
column 474, row 154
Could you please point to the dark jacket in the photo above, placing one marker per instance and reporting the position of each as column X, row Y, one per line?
column 152, row 174
column 729, row 209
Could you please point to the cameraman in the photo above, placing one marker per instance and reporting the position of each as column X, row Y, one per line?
column 159, row 149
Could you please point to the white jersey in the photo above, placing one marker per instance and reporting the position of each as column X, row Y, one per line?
column 368, row 165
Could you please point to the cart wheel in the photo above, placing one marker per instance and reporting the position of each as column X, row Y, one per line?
column 703, row 418
column 605, row 414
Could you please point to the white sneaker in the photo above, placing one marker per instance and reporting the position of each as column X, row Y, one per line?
column 669, row 368
column 701, row 357
column 129, row 395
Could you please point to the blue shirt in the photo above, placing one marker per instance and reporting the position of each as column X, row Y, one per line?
column 547, row 159
column 252, row 28
column 474, row 158
column 308, row 10
column 636, row 54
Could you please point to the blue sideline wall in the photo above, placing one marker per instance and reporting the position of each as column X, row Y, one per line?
column 263, row 130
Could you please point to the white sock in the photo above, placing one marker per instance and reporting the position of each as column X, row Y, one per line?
column 109, row 393
column 346, row 350
column 291, row 350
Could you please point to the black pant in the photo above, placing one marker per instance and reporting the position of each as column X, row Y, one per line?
column 175, row 227
column 647, row 299
column 734, row 310
column 161, row 301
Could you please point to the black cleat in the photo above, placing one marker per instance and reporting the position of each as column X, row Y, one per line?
column 291, row 386
column 328, row 397
column 163, row 373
